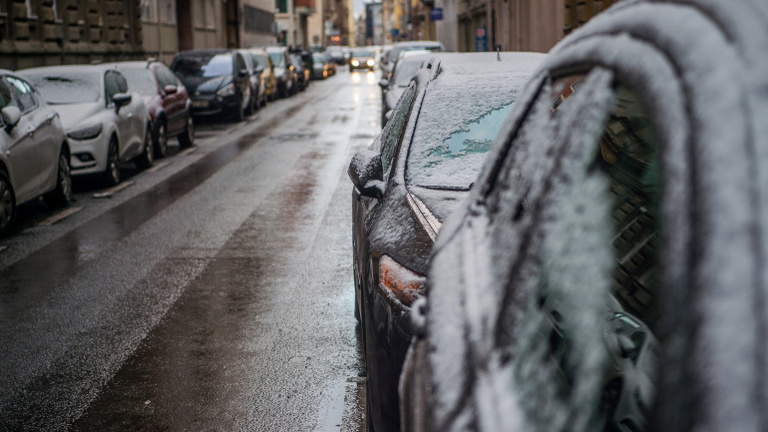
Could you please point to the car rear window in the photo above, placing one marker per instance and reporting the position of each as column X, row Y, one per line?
column 65, row 87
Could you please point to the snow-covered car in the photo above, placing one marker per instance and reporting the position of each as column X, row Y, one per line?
column 168, row 103
column 105, row 123
column 608, row 269
column 412, row 176
column 397, row 48
column 34, row 153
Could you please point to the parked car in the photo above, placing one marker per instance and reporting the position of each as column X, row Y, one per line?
column 286, row 81
column 105, row 123
column 34, row 152
column 319, row 66
column 607, row 271
column 256, row 78
column 362, row 58
column 413, row 175
column 397, row 48
column 168, row 103
column 301, row 73
column 337, row 54
column 391, row 89
column 331, row 64
column 218, row 81
column 262, row 61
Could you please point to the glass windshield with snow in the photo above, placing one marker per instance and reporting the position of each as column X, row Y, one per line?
column 140, row 80
column 457, row 124
column 57, row 87
column 203, row 66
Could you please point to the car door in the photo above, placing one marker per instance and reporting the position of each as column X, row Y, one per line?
column 175, row 103
column 35, row 152
column 242, row 79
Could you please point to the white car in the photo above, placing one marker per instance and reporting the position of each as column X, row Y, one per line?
column 34, row 154
column 106, row 125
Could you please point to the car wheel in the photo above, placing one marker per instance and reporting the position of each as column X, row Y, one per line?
column 7, row 203
column 187, row 138
column 239, row 112
column 147, row 157
column 161, row 140
column 61, row 196
column 111, row 175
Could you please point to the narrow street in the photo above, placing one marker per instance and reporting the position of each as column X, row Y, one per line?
column 211, row 292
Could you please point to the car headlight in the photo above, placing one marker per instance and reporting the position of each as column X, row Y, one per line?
column 404, row 284
column 85, row 132
column 369, row 62
column 355, row 63
column 229, row 90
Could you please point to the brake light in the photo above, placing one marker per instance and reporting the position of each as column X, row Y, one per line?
column 404, row 284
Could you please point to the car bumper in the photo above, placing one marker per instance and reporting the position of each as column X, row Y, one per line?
column 206, row 105
column 89, row 156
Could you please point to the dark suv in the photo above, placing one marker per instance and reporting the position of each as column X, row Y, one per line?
column 218, row 81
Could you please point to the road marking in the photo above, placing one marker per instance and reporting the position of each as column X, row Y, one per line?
column 113, row 190
column 188, row 151
column 61, row 215
column 158, row 166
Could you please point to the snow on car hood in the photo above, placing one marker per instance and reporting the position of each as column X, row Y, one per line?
column 73, row 114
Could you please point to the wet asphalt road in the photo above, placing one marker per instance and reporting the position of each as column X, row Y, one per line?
column 213, row 292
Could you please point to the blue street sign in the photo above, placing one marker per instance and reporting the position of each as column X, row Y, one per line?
column 436, row 14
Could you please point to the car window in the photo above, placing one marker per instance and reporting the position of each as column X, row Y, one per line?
column 277, row 59
column 110, row 86
column 582, row 187
column 395, row 126
column 240, row 63
column 450, row 141
column 25, row 97
column 168, row 78
column 140, row 80
column 122, row 84
column 260, row 60
column 66, row 87
column 5, row 97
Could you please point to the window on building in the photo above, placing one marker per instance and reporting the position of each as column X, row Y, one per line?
column 168, row 11
column 148, row 10
column 281, row 6
column 210, row 15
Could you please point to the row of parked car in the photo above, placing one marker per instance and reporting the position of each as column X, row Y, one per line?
column 576, row 241
column 87, row 120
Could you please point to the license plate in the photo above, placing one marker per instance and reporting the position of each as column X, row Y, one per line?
column 200, row 104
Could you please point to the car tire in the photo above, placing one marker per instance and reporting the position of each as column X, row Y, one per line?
column 62, row 194
column 161, row 140
column 111, row 176
column 7, row 203
column 187, row 137
column 147, row 158
column 239, row 113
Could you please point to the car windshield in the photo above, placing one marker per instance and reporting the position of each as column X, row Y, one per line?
column 140, row 80
column 451, row 141
column 405, row 71
column 260, row 60
column 203, row 66
column 59, row 88
column 362, row 54
column 277, row 59
column 318, row 57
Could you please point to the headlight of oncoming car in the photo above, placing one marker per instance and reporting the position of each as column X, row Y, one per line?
column 229, row 90
column 355, row 63
column 369, row 62
column 404, row 284
column 85, row 132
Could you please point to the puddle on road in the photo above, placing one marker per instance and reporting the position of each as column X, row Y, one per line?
column 345, row 408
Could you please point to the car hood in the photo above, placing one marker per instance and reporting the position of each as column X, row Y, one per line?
column 433, row 206
column 73, row 114
column 206, row 85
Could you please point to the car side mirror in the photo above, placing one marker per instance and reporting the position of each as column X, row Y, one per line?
column 243, row 72
column 259, row 71
column 367, row 174
column 170, row 89
column 121, row 99
column 384, row 83
column 11, row 116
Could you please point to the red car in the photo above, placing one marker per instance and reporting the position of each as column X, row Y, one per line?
column 167, row 100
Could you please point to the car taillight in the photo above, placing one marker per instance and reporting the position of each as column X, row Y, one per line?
column 404, row 284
